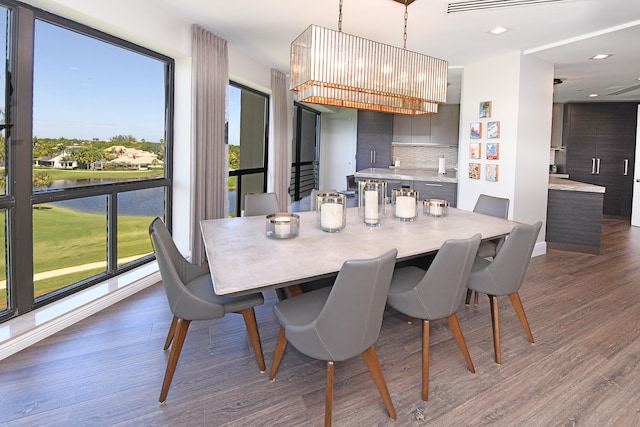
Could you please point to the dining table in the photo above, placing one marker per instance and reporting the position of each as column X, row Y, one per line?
column 243, row 259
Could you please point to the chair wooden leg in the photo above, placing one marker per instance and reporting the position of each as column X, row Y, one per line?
column 180, row 334
column 172, row 331
column 454, row 324
column 425, row 359
column 328, row 403
column 496, row 327
column 517, row 305
column 475, row 299
column 467, row 300
column 410, row 320
column 371, row 359
column 249, row 316
column 277, row 357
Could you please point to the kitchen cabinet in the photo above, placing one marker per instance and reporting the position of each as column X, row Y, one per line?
column 437, row 190
column 441, row 128
column 375, row 133
column 600, row 146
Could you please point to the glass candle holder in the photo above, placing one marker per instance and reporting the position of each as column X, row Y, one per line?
column 405, row 204
column 282, row 225
column 331, row 212
column 436, row 207
column 372, row 196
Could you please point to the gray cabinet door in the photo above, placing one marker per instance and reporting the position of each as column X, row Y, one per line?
column 600, row 142
column 437, row 190
column 375, row 132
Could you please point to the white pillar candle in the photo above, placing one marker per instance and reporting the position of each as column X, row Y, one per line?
column 282, row 226
column 331, row 215
column 371, row 207
column 405, row 207
column 436, row 210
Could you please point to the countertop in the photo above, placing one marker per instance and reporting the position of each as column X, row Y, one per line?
column 432, row 175
column 568, row 185
column 401, row 174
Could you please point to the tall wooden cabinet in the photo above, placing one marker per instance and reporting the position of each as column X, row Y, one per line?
column 600, row 142
column 375, row 134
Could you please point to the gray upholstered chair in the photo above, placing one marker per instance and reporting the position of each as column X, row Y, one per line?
column 260, row 204
column 191, row 296
column 494, row 206
column 504, row 276
column 340, row 322
column 436, row 294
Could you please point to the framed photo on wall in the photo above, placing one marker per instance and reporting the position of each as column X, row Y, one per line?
column 492, row 173
column 493, row 151
column 475, row 148
column 475, row 131
column 485, row 109
column 493, row 130
column 474, row 170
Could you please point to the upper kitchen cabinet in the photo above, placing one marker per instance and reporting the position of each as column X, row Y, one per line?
column 600, row 142
column 429, row 129
column 375, row 133
column 445, row 125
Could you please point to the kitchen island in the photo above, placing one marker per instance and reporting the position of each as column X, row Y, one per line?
column 427, row 182
column 574, row 215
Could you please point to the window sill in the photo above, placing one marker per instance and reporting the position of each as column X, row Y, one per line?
column 23, row 331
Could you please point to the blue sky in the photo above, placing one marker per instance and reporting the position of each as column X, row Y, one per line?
column 85, row 88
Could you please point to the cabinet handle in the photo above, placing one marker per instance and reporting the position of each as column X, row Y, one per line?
column 374, row 156
column 626, row 167
column 432, row 185
column 593, row 165
column 597, row 166
column 371, row 156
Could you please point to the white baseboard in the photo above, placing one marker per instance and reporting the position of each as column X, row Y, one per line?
column 26, row 330
column 539, row 249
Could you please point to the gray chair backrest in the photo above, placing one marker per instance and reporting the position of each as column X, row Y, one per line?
column 350, row 321
column 510, row 265
column 491, row 205
column 441, row 290
column 176, row 272
column 260, row 204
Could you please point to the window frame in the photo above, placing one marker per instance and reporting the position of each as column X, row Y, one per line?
column 20, row 197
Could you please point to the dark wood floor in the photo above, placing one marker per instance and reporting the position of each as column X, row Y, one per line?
column 583, row 370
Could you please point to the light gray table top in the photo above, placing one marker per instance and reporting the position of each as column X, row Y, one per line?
column 243, row 259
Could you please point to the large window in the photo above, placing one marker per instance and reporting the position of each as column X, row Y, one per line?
column 98, row 111
column 247, row 143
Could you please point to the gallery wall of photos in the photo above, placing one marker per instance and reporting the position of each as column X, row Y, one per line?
column 484, row 148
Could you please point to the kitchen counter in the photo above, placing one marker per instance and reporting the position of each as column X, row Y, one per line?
column 401, row 174
column 568, row 185
column 574, row 215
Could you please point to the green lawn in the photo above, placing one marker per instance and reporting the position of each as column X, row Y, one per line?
column 65, row 238
column 86, row 174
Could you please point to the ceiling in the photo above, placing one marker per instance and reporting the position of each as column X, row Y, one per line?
column 564, row 32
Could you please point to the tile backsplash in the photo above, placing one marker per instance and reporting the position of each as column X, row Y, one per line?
column 424, row 157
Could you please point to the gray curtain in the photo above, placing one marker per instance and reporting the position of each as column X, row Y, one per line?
column 210, row 82
column 282, row 109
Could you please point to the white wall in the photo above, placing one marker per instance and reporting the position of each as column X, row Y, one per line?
column 338, row 143
column 521, row 91
column 161, row 30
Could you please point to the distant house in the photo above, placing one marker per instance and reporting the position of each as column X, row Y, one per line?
column 64, row 160
column 133, row 157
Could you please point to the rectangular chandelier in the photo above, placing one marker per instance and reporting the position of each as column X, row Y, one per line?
column 334, row 68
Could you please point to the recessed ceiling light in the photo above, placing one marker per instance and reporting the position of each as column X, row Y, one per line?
column 593, row 95
column 601, row 56
column 498, row 30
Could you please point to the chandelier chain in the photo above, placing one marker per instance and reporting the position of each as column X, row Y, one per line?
column 340, row 17
column 406, row 18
